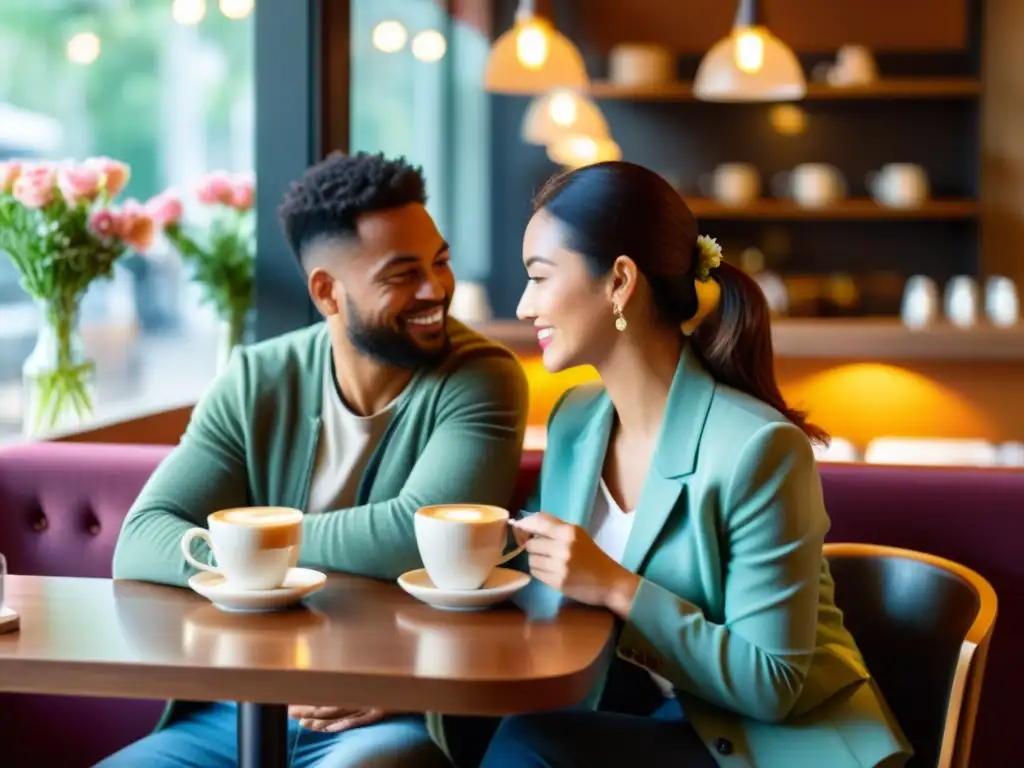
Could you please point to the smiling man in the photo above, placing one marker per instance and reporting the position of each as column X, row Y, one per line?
column 386, row 406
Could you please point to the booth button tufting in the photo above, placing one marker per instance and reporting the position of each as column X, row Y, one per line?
column 39, row 522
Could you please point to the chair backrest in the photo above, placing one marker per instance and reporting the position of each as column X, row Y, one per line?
column 923, row 625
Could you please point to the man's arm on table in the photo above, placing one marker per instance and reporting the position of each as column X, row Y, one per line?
column 204, row 473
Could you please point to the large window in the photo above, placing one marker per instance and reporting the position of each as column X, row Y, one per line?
column 416, row 90
column 165, row 86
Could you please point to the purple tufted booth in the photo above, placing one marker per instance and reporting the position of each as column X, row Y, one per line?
column 61, row 505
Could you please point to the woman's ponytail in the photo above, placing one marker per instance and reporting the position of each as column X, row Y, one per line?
column 735, row 344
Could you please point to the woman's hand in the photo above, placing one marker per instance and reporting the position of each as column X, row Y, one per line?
column 564, row 557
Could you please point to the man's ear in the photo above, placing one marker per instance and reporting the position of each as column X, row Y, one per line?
column 322, row 287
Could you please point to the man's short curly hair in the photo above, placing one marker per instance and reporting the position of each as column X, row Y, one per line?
column 331, row 195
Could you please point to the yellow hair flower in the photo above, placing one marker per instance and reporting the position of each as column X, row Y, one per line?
column 710, row 257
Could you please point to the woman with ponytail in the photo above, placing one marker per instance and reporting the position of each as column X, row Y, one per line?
column 682, row 495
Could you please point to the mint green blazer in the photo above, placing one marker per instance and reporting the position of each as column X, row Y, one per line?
column 736, row 607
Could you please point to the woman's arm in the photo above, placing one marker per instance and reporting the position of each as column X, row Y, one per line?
column 755, row 663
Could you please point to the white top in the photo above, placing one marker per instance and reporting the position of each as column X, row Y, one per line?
column 609, row 528
column 347, row 442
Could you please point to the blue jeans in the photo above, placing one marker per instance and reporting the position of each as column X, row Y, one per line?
column 584, row 739
column 208, row 738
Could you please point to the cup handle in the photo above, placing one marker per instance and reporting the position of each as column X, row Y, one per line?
column 505, row 558
column 186, row 548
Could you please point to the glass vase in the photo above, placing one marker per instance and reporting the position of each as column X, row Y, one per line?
column 58, row 382
column 230, row 334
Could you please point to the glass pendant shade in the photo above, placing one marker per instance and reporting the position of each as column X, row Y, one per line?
column 533, row 57
column 576, row 150
column 562, row 112
column 751, row 64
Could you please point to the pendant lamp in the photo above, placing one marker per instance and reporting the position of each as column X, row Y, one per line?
column 577, row 150
column 560, row 112
column 533, row 57
column 751, row 64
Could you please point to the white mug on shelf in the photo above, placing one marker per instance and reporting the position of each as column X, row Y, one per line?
column 920, row 306
column 962, row 301
column 899, row 185
column 641, row 64
column 855, row 65
column 810, row 185
column 1002, row 304
column 469, row 303
column 731, row 184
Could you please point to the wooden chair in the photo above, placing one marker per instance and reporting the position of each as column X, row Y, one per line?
column 923, row 624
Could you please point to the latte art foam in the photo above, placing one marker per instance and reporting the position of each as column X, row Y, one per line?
column 259, row 517
column 464, row 514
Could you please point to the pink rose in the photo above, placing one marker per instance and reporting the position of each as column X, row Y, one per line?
column 79, row 183
column 216, row 188
column 165, row 208
column 135, row 226
column 104, row 224
column 243, row 191
column 9, row 172
column 35, row 187
column 115, row 173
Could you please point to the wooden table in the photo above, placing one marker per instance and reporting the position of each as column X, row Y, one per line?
column 358, row 643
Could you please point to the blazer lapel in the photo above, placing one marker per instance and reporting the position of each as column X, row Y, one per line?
column 587, row 463
column 675, row 457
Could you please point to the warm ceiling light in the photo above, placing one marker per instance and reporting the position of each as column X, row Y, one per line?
column 389, row 36
column 83, row 48
column 751, row 64
column 429, row 45
column 575, row 150
column 236, row 9
column 188, row 12
column 562, row 112
column 533, row 57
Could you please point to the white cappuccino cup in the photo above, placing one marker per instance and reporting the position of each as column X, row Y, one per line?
column 253, row 546
column 460, row 544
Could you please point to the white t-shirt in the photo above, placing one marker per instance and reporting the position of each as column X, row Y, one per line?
column 609, row 528
column 347, row 442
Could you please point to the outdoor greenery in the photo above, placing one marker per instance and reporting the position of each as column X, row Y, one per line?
column 117, row 105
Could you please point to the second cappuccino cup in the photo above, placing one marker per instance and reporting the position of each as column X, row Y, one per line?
column 461, row 544
column 254, row 547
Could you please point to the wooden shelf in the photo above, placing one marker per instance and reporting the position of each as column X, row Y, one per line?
column 847, row 340
column 849, row 209
column 894, row 88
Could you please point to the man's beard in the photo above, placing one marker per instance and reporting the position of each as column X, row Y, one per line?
column 392, row 347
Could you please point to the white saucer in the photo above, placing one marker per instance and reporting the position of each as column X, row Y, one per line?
column 9, row 620
column 500, row 585
column 299, row 583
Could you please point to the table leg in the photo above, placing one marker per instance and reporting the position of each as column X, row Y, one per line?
column 262, row 735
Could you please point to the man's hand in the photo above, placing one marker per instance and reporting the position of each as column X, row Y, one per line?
column 333, row 719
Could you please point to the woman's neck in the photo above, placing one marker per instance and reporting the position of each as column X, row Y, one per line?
column 638, row 376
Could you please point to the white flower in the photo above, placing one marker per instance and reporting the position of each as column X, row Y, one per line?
column 710, row 250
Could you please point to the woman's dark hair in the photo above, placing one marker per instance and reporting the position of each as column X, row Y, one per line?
column 615, row 208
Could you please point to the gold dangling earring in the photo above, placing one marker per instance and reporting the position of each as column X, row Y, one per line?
column 620, row 321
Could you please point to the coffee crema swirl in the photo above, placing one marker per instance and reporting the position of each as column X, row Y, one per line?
column 465, row 513
column 275, row 527
column 260, row 517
